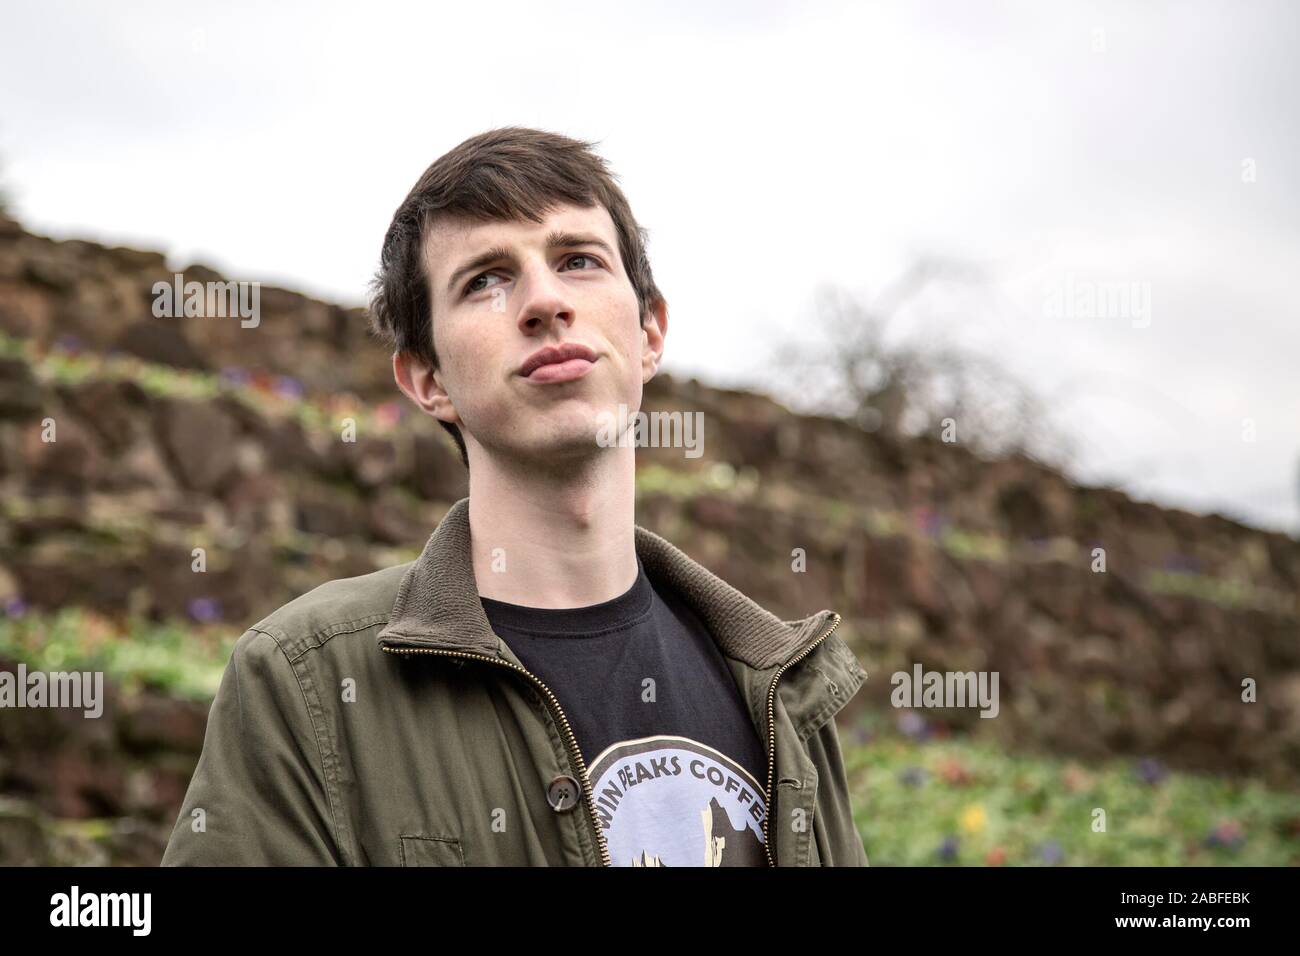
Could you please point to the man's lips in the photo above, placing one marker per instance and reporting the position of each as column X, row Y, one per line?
column 561, row 371
column 558, row 363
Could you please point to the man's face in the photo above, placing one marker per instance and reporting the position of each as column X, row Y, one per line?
column 504, row 291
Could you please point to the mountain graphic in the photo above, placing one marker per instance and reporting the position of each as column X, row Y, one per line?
column 724, row 845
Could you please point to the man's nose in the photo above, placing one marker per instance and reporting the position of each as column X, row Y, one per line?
column 545, row 299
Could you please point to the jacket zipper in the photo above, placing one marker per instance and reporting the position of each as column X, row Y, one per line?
column 574, row 751
column 771, row 732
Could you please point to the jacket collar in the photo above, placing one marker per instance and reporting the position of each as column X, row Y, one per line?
column 438, row 602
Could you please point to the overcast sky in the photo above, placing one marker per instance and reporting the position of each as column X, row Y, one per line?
column 768, row 147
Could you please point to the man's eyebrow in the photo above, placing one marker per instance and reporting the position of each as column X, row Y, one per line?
column 480, row 261
column 557, row 239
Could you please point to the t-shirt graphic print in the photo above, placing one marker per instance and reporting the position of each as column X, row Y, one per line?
column 672, row 753
column 672, row 801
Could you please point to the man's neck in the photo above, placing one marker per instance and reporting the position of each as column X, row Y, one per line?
column 555, row 541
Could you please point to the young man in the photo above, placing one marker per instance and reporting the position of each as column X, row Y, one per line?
column 549, row 683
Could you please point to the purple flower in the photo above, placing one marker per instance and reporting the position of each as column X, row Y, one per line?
column 234, row 376
column 948, row 848
column 205, row 610
column 912, row 776
column 911, row 724
column 1151, row 771
column 1226, row 835
column 15, row 607
column 1050, row 853
column 68, row 343
column 929, row 521
column 288, row 387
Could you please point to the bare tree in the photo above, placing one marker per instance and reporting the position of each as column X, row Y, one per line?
column 913, row 386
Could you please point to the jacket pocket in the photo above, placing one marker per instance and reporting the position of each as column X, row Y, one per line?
column 431, row 851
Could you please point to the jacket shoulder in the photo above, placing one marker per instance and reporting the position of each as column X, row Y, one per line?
column 341, row 606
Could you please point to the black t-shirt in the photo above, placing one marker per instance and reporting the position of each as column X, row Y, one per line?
column 675, row 762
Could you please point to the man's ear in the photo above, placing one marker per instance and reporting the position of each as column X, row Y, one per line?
column 422, row 385
column 654, row 325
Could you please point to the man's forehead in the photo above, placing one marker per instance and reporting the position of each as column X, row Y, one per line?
column 449, row 241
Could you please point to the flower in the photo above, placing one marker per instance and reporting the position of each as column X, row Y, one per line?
column 1050, row 853
column 1226, row 835
column 973, row 818
column 205, row 609
column 288, row 387
column 911, row 776
column 930, row 522
column 15, row 607
column 1074, row 779
column 389, row 414
column 343, row 403
column 234, row 376
column 95, row 628
column 911, row 724
column 995, row 857
column 1151, row 771
column 948, row 848
column 1182, row 562
column 954, row 772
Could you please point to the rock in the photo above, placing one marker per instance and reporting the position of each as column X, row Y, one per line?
column 72, row 463
column 110, row 408
column 328, row 511
column 163, row 341
column 19, row 390
column 23, row 841
column 372, row 462
column 150, row 721
column 711, row 511
column 438, row 474
column 393, row 518
column 199, row 440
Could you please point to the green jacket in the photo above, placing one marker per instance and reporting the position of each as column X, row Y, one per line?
column 378, row 721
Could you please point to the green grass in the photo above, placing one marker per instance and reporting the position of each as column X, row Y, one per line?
column 322, row 413
column 912, row 799
column 178, row 658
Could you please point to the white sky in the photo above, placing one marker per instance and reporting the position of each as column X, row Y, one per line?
column 767, row 147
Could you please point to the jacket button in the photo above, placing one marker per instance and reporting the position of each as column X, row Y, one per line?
column 563, row 793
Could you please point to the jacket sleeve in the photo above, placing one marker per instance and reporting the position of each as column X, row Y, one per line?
column 838, row 841
column 258, row 795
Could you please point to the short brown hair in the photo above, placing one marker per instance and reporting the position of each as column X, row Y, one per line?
column 506, row 174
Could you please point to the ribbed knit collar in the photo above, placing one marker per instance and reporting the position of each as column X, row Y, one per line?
column 438, row 603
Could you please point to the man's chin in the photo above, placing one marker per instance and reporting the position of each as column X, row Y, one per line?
column 569, row 445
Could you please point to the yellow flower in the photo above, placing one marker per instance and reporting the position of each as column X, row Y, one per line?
column 973, row 818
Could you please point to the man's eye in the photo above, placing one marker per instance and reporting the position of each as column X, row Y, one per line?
column 473, row 285
column 583, row 255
